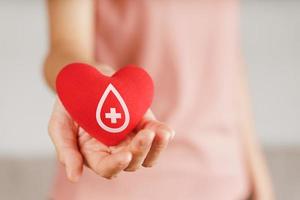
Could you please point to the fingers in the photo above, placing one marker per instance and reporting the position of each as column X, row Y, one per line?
column 142, row 150
column 63, row 135
column 139, row 148
column 112, row 164
column 105, row 69
column 73, row 164
column 101, row 159
column 162, row 138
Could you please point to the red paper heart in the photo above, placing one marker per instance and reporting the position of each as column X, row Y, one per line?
column 108, row 108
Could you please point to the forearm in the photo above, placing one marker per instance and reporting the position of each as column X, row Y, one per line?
column 258, row 173
column 259, row 176
column 56, row 59
column 71, row 35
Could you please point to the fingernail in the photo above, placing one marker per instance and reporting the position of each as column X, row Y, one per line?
column 145, row 139
column 127, row 157
column 148, row 134
column 71, row 174
column 167, row 134
column 151, row 134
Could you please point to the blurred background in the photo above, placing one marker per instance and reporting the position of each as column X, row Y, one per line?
column 271, row 45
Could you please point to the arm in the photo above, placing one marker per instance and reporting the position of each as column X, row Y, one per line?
column 71, row 39
column 71, row 35
column 260, row 179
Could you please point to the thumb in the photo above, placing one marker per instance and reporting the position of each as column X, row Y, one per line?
column 63, row 133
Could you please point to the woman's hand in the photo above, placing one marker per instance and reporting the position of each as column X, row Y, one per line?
column 76, row 148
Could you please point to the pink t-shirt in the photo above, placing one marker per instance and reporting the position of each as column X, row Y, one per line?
column 191, row 49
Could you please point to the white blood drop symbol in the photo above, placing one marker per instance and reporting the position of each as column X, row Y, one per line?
column 111, row 88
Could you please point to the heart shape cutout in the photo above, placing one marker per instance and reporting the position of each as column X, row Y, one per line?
column 108, row 108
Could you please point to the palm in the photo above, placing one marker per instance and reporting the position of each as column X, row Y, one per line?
column 96, row 152
column 75, row 146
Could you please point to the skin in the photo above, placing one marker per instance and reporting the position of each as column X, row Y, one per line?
column 71, row 29
column 258, row 172
column 74, row 147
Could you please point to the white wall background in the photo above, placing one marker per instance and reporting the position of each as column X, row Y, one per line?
column 271, row 41
column 25, row 102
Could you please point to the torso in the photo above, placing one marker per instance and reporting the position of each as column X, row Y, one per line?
column 191, row 50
